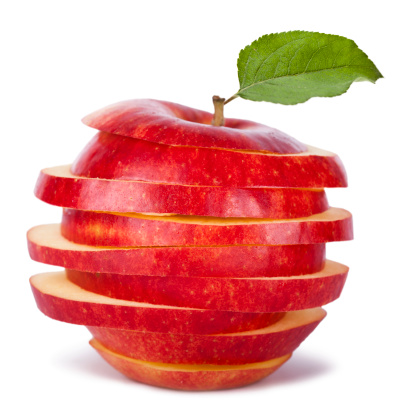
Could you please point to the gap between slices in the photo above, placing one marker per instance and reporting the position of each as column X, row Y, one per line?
column 331, row 214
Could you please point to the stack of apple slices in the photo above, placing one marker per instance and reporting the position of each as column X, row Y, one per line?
column 194, row 254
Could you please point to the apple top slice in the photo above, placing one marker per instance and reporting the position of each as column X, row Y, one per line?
column 178, row 125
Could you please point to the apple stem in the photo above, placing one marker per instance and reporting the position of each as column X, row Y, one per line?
column 231, row 98
column 218, row 119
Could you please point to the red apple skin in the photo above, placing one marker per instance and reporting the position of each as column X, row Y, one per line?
column 174, row 124
column 61, row 300
column 278, row 294
column 47, row 245
column 56, row 186
column 110, row 156
column 120, row 230
column 180, row 378
column 219, row 349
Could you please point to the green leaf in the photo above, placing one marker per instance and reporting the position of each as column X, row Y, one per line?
column 292, row 67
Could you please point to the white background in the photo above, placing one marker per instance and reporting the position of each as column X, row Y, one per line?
column 62, row 60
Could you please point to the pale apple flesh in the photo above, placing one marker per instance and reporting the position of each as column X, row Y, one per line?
column 128, row 230
column 189, row 377
column 62, row 300
column 47, row 245
column 58, row 186
column 110, row 156
column 174, row 124
column 259, row 345
column 233, row 294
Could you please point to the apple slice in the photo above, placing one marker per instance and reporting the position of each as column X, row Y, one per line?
column 47, row 245
column 259, row 345
column 62, row 300
column 233, row 294
column 124, row 230
column 110, row 156
column 57, row 186
column 170, row 123
column 189, row 377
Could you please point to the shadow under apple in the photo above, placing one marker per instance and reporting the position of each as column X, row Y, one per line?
column 301, row 367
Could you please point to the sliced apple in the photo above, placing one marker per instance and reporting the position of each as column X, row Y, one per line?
column 110, row 156
column 124, row 230
column 57, row 186
column 189, row 377
column 47, row 245
column 174, row 124
column 259, row 345
column 62, row 300
column 236, row 294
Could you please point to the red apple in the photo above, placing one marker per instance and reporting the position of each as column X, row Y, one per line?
column 124, row 230
column 62, row 300
column 110, row 156
column 189, row 377
column 57, row 186
column 234, row 294
column 259, row 345
column 174, row 124
column 47, row 245
column 195, row 254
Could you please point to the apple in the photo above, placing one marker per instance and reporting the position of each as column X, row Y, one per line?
column 233, row 294
column 173, row 124
column 111, row 156
column 259, row 345
column 189, row 377
column 60, row 299
column 57, row 186
column 194, row 254
column 47, row 245
column 125, row 230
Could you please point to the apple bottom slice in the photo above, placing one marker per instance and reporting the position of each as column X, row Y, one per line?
column 125, row 230
column 189, row 377
column 58, row 186
column 62, row 300
column 286, row 293
column 47, row 245
column 259, row 345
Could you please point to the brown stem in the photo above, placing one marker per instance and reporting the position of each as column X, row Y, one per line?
column 218, row 119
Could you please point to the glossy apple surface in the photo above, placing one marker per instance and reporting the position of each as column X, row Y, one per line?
column 259, row 345
column 173, row 124
column 57, row 186
column 110, row 156
column 47, row 245
column 62, row 300
column 189, row 377
column 235, row 294
column 124, row 230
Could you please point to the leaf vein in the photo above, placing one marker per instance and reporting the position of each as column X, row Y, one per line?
column 338, row 53
column 300, row 74
column 294, row 55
